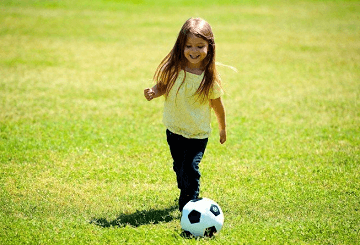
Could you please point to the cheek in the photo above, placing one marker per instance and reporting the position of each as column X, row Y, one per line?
column 206, row 51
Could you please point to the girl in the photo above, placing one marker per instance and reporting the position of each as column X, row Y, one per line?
column 188, row 79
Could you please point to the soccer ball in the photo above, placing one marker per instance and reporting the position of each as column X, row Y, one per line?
column 202, row 217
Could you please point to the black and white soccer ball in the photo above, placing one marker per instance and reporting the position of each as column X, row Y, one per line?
column 202, row 217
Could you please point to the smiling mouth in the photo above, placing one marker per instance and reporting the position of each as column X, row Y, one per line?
column 192, row 57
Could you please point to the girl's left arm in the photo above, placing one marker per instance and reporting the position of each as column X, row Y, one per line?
column 219, row 110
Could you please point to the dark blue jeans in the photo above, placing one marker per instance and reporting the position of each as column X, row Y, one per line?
column 187, row 154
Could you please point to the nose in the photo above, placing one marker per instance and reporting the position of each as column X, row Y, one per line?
column 194, row 50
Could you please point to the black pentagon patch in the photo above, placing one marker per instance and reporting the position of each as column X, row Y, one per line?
column 195, row 200
column 194, row 217
column 209, row 232
column 215, row 209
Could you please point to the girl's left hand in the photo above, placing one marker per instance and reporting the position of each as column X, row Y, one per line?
column 222, row 136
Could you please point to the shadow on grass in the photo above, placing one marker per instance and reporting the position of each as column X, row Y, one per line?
column 138, row 218
column 209, row 235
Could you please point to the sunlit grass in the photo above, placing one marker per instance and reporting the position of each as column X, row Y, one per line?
column 83, row 155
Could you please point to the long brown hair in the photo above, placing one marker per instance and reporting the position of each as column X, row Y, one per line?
column 169, row 68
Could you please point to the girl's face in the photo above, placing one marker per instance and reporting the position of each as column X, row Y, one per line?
column 195, row 51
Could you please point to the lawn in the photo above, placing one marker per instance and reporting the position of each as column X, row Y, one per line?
column 83, row 155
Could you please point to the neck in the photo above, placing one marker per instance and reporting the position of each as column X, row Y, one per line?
column 194, row 68
column 197, row 71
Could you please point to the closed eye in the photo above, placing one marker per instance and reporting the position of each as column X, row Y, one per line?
column 199, row 47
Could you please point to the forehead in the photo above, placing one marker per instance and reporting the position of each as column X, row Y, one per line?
column 191, row 38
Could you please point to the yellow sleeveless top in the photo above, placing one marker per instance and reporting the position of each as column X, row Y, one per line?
column 184, row 112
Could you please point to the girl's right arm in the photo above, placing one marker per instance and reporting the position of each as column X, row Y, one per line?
column 152, row 93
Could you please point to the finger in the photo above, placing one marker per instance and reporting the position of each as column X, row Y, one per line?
column 222, row 140
column 148, row 97
column 147, row 91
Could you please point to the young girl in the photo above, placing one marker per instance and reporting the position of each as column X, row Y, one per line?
column 188, row 79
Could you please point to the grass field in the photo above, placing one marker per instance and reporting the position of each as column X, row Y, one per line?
column 83, row 155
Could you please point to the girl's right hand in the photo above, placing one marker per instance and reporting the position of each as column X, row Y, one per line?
column 149, row 94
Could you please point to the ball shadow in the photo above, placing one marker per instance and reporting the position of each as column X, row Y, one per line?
column 143, row 217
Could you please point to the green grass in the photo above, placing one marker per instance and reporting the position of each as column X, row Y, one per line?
column 83, row 155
